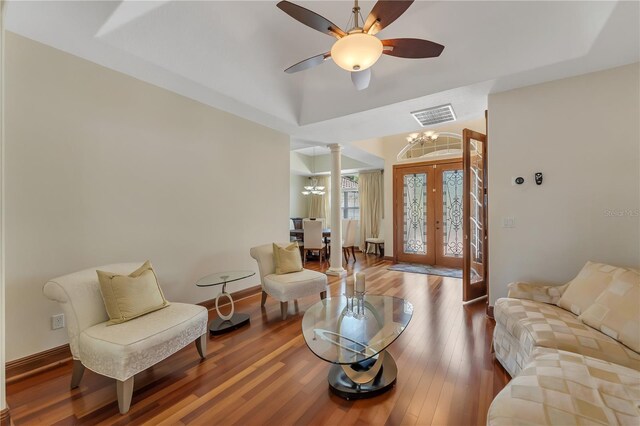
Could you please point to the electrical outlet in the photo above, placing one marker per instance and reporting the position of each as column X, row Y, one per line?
column 57, row 321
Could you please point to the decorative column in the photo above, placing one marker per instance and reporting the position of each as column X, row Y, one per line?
column 336, row 222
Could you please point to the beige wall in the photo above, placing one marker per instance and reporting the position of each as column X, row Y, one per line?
column 583, row 134
column 300, row 163
column 104, row 168
column 373, row 146
column 321, row 164
column 298, row 203
column 347, row 164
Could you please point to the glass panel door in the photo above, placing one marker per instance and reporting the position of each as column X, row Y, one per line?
column 449, row 235
column 414, row 212
column 414, row 195
column 475, row 224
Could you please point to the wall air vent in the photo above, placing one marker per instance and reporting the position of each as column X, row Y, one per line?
column 435, row 115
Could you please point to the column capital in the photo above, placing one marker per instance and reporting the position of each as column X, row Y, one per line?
column 335, row 147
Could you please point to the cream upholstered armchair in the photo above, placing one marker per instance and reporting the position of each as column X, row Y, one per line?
column 121, row 350
column 289, row 286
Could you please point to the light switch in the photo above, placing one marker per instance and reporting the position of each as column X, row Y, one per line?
column 508, row 222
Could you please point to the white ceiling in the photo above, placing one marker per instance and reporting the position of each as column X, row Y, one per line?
column 231, row 55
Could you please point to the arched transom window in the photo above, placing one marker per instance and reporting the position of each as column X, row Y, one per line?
column 431, row 146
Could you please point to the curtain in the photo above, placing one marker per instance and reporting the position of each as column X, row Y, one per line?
column 319, row 204
column 371, row 205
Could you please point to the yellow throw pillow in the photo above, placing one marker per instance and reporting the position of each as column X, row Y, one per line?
column 130, row 296
column 287, row 259
column 585, row 288
column 616, row 312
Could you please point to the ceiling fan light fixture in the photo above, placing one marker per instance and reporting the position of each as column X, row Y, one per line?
column 356, row 51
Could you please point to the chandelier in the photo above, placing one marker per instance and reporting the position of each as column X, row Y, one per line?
column 421, row 138
column 313, row 189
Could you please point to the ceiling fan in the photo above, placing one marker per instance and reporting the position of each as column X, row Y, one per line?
column 357, row 49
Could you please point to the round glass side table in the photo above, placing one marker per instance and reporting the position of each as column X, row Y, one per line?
column 233, row 320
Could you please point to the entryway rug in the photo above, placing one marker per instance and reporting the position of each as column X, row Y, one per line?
column 417, row 268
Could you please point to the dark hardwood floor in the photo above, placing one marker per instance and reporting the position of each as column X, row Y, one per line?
column 265, row 374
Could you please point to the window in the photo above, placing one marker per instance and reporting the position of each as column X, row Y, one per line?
column 350, row 199
column 444, row 144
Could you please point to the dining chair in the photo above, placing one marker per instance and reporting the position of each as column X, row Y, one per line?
column 377, row 243
column 294, row 238
column 312, row 230
column 324, row 225
column 349, row 241
column 321, row 219
column 344, row 223
column 297, row 222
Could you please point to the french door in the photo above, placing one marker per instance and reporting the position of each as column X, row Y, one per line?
column 474, row 274
column 448, row 195
column 428, row 213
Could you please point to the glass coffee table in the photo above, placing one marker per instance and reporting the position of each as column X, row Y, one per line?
column 233, row 320
column 355, row 341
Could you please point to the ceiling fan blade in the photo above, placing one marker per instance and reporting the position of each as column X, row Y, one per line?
column 384, row 13
column 308, row 63
column 361, row 79
column 412, row 48
column 311, row 19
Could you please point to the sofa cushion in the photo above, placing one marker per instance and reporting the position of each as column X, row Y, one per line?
column 536, row 292
column 558, row 387
column 130, row 296
column 616, row 312
column 122, row 350
column 295, row 285
column 585, row 288
column 287, row 259
column 539, row 324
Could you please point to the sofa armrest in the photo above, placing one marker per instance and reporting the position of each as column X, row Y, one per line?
column 536, row 292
